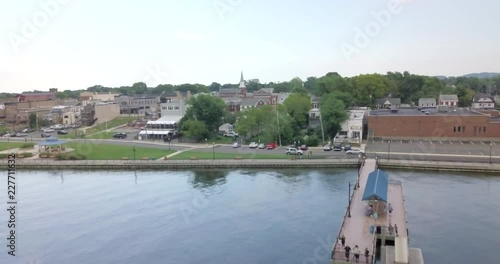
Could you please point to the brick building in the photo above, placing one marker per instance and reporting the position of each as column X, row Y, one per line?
column 411, row 123
column 37, row 96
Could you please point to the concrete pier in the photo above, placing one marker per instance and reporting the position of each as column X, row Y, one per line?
column 363, row 230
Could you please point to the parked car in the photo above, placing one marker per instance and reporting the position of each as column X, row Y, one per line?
column 355, row 151
column 45, row 135
column 327, row 147
column 62, row 132
column 47, row 130
column 271, row 145
column 304, row 147
column 347, row 147
column 236, row 144
column 231, row 134
column 293, row 151
column 120, row 135
column 6, row 135
column 337, row 147
column 253, row 145
column 261, row 146
column 27, row 130
column 21, row 134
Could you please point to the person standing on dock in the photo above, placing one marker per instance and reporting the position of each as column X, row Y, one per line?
column 356, row 252
column 342, row 240
column 391, row 229
column 347, row 252
column 367, row 254
column 396, row 229
column 390, row 209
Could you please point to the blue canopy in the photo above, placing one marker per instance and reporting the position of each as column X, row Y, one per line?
column 376, row 186
column 51, row 141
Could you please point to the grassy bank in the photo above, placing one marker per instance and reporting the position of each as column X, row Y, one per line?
column 115, row 152
column 10, row 145
column 209, row 155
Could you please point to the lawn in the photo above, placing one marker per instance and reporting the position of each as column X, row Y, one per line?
column 102, row 135
column 115, row 152
column 10, row 145
column 209, row 155
column 93, row 132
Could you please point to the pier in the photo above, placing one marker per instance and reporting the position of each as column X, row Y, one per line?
column 368, row 223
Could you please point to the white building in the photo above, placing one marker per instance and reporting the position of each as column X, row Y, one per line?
column 483, row 102
column 352, row 129
column 450, row 100
column 427, row 102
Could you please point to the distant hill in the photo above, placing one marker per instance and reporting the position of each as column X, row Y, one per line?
column 483, row 75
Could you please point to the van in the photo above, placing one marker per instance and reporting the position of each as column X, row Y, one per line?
column 337, row 147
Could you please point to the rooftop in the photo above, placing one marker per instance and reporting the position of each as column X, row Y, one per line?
column 432, row 112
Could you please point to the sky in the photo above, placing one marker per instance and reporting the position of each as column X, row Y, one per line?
column 76, row 44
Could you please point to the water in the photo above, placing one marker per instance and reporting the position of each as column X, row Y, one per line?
column 235, row 217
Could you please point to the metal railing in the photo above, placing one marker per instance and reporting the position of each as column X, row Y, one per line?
column 341, row 256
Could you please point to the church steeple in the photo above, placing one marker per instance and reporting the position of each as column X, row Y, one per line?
column 242, row 81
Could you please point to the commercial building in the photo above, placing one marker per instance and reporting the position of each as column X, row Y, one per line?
column 433, row 123
column 137, row 104
column 18, row 112
column 95, row 96
column 352, row 129
column 99, row 113
column 37, row 96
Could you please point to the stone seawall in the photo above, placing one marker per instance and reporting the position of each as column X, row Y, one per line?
column 22, row 164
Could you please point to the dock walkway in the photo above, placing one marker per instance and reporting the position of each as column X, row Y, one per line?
column 356, row 228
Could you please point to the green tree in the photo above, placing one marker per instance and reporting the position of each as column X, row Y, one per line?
column 311, row 84
column 207, row 109
column 465, row 96
column 333, row 114
column 32, row 120
column 330, row 83
column 369, row 87
column 298, row 106
column 214, row 87
column 194, row 129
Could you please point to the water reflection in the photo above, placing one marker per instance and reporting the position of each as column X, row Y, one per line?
column 209, row 181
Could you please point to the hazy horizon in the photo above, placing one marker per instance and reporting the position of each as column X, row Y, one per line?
column 74, row 44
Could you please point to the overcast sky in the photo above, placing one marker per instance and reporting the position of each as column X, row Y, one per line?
column 75, row 44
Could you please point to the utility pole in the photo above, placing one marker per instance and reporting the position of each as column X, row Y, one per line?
column 322, row 131
column 278, row 120
column 349, row 201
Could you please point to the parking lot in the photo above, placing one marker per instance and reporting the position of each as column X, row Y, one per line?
column 436, row 146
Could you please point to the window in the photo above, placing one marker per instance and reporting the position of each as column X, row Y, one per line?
column 170, row 107
column 463, row 129
column 315, row 105
column 484, row 129
column 454, row 129
column 176, row 107
column 475, row 130
column 459, row 129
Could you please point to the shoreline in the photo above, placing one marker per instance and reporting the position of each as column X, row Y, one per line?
column 250, row 164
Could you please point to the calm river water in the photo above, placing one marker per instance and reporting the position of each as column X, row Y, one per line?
column 234, row 216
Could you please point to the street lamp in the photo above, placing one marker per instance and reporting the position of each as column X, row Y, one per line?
column 349, row 202
column 213, row 150
column 169, row 140
column 389, row 149
column 491, row 145
column 134, row 150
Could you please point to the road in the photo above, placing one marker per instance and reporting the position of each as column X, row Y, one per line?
column 466, row 151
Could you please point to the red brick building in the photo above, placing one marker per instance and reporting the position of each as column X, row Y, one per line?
column 411, row 123
column 37, row 96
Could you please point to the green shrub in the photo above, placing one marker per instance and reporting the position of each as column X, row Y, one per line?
column 3, row 156
column 26, row 154
column 70, row 156
column 27, row 146
column 312, row 141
